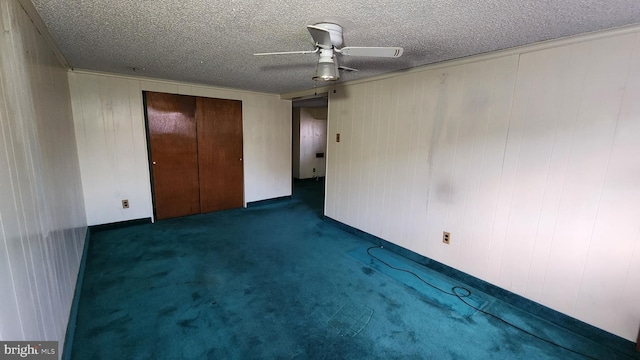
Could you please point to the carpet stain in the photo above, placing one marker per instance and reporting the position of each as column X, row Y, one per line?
column 367, row 270
column 160, row 274
column 187, row 323
column 120, row 323
column 167, row 311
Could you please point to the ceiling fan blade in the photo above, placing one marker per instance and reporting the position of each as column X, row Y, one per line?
column 289, row 52
column 320, row 36
column 348, row 69
column 392, row 52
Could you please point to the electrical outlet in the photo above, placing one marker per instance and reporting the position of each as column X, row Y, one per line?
column 446, row 237
column 125, row 204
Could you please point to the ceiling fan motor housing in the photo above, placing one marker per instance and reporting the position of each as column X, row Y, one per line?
column 335, row 32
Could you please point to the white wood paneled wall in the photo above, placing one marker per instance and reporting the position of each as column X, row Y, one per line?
column 112, row 144
column 295, row 142
column 42, row 220
column 531, row 161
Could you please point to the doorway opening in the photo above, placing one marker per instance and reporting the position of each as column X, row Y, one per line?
column 309, row 146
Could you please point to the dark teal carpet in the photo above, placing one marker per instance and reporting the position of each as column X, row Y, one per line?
column 277, row 282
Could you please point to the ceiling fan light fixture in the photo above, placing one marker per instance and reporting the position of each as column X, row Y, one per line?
column 327, row 68
column 326, row 71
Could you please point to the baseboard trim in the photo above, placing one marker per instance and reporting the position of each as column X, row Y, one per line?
column 73, row 314
column 268, row 201
column 119, row 224
column 574, row 325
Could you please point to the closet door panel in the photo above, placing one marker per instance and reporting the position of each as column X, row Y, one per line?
column 220, row 153
column 174, row 154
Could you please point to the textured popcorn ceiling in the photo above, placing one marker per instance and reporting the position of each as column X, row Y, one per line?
column 212, row 42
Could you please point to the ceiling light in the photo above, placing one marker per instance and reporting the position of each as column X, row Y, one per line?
column 326, row 72
column 327, row 69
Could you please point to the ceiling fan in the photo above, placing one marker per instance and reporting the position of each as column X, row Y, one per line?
column 327, row 37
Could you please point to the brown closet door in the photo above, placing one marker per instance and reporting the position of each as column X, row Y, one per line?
column 174, row 154
column 220, row 153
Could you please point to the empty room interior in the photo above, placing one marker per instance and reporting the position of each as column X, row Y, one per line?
column 320, row 180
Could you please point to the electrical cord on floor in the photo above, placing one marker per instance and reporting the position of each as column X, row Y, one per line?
column 454, row 292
